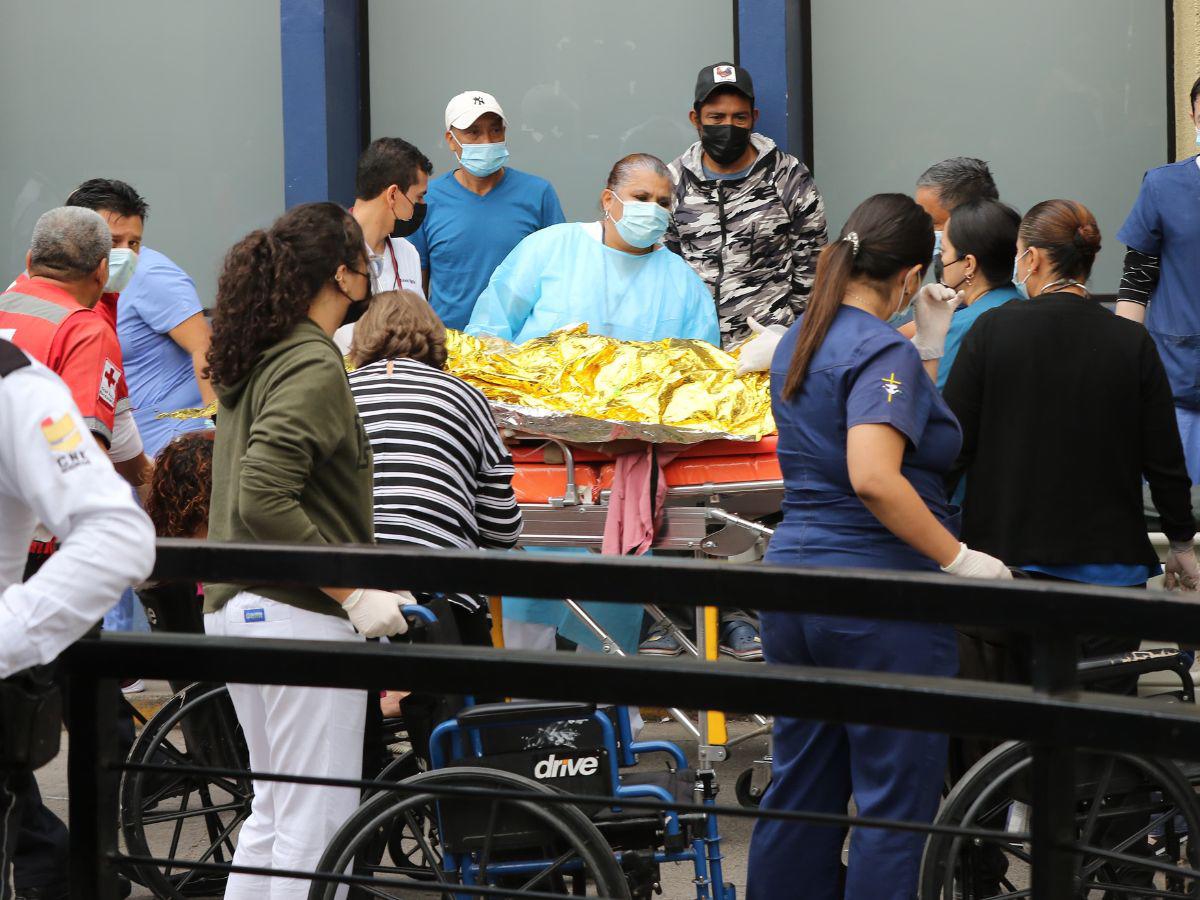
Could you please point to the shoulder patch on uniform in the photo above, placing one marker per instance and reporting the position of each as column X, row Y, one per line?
column 12, row 358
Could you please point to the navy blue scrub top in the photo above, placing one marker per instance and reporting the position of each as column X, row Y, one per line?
column 864, row 372
column 1165, row 222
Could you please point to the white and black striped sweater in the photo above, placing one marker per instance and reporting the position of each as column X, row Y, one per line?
column 442, row 476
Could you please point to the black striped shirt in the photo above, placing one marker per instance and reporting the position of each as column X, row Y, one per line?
column 443, row 477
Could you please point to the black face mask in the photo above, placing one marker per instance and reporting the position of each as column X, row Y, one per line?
column 404, row 229
column 724, row 143
column 355, row 310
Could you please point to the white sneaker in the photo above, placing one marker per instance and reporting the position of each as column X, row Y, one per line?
column 133, row 687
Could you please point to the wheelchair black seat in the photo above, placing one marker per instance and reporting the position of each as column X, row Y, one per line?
column 519, row 711
column 636, row 829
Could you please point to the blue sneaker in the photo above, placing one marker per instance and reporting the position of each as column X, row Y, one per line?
column 740, row 639
column 660, row 642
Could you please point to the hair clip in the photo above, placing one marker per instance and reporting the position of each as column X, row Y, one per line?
column 852, row 237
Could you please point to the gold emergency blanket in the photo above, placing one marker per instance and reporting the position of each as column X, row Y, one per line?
column 589, row 388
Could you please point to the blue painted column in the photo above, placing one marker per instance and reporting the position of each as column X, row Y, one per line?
column 322, row 108
column 772, row 46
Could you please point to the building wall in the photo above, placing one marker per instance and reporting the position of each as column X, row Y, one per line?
column 180, row 98
column 1187, row 70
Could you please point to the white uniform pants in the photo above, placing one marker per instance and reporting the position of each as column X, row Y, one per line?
column 296, row 731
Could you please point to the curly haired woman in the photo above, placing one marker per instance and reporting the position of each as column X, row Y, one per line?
column 291, row 463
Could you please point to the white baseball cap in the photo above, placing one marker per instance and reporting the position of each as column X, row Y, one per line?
column 464, row 109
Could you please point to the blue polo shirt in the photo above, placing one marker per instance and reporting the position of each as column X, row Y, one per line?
column 1165, row 222
column 864, row 372
column 465, row 236
column 160, row 373
column 964, row 317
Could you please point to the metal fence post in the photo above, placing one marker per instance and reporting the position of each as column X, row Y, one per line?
column 92, row 785
column 1055, row 658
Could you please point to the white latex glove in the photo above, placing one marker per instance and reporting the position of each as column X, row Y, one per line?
column 377, row 613
column 974, row 564
column 1182, row 570
column 757, row 352
column 933, row 308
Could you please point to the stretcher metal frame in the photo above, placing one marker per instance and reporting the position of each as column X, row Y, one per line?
column 577, row 519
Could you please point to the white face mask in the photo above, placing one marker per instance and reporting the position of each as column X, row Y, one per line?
column 122, row 262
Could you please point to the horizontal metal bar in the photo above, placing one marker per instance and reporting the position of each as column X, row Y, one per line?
column 1022, row 605
column 917, row 702
column 576, row 799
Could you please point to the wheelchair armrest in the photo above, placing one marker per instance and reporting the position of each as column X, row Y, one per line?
column 1137, row 662
column 522, row 711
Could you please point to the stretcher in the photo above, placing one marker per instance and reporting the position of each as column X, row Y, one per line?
column 719, row 492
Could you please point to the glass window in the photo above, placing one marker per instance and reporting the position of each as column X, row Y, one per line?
column 582, row 83
column 181, row 100
column 1064, row 99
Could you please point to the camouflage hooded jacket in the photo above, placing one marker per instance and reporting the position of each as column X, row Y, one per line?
column 754, row 241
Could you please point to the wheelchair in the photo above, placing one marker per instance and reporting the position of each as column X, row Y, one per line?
column 1143, row 808
column 198, row 727
column 471, row 837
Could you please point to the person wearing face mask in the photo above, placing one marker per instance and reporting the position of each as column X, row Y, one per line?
column 1161, row 283
column 479, row 211
column 865, row 441
column 292, row 463
column 945, row 186
column 1065, row 409
column 616, row 276
column 976, row 258
column 389, row 206
column 156, row 312
column 748, row 217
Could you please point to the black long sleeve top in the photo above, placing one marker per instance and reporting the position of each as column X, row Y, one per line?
column 1065, row 407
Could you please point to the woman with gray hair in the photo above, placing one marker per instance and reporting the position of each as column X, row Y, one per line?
column 614, row 274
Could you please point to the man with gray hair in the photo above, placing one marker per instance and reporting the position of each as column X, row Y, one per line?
column 49, row 312
column 947, row 185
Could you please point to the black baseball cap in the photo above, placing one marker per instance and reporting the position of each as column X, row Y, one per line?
column 723, row 74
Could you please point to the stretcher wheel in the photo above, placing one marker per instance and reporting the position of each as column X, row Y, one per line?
column 744, row 790
column 196, row 727
column 1120, row 800
column 574, row 852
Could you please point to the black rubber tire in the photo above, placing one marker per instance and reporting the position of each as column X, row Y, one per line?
column 361, row 831
column 196, row 709
column 983, row 788
column 741, row 789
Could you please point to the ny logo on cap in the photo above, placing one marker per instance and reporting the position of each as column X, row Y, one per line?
column 478, row 101
column 724, row 73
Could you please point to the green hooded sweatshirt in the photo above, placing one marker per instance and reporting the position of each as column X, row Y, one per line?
column 291, row 461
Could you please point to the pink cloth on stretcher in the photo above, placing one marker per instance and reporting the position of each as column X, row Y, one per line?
column 635, row 505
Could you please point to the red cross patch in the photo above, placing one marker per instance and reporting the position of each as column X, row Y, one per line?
column 109, row 379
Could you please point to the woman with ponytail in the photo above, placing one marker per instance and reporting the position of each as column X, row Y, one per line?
column 865, row 441
column 291, row 462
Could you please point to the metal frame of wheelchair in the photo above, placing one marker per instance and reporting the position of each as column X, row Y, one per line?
column 1122, row 800
column 204, row 716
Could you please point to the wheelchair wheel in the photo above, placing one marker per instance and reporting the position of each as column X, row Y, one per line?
column 1138, row 806
column 519, row 845
column 186, row 817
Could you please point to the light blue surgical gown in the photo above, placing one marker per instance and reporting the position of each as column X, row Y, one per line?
column 563, row 275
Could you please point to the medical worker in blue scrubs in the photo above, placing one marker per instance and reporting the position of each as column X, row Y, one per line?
column 616, row 276
column 1161, row 283
column 864, row 442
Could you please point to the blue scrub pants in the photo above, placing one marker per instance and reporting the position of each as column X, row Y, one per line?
column 1189, row 433
column 818, row 766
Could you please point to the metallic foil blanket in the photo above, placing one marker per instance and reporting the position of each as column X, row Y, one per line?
column 588, row 388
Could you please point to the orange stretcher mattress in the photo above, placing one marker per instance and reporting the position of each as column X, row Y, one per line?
column 709, row 462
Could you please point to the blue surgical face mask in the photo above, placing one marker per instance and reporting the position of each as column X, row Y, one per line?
column 482, row 160
column 1198, row 137
column 642, row 224
column 1020, row 283
column 122, row 263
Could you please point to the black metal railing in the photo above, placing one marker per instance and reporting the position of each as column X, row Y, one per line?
column 1051, row 714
